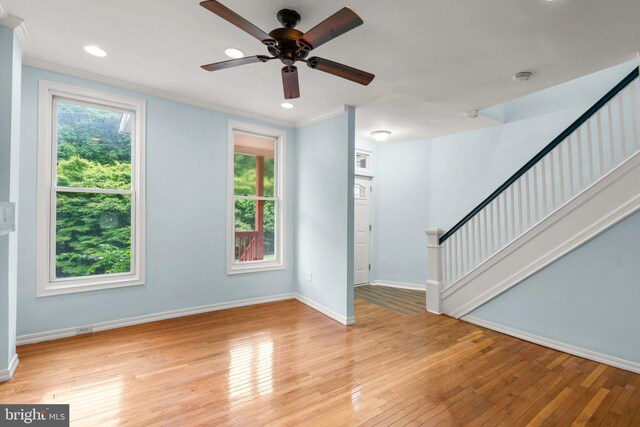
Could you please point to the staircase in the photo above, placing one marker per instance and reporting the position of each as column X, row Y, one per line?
column 583, row 182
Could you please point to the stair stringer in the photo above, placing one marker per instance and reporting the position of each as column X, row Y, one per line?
column 606, row 202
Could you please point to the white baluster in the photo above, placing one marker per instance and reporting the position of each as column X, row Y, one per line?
column 513, row 213
column 634, row 116
column 611, row 145
column 486, row 233
column 623, row 133
column 466, row 247
column 498, row 223
column 543, row 185
column 456, row 258
column 536, row 210
column 590, row 152
column 528, row 198
column 493, row 232
column 561, row 172
column 470, row 238
column 580, row 161
column 570, row 164
column 600, row 143
column 520, row 213
column 476, row 239
column 552, row 172
column 506, row 218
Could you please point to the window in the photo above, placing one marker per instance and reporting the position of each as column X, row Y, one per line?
column 90, row 190
column 256, row 199
column 363, row 159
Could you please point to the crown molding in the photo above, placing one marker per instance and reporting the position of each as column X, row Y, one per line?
column 331, row 113
column 98, row 78
column 16, row 24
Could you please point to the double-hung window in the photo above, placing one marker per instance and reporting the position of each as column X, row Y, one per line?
column 90, row 190
column 256, row 198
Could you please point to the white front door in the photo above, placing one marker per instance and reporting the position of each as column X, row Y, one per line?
column 362, row 190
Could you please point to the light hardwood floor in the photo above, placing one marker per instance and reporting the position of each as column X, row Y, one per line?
column 286, row 364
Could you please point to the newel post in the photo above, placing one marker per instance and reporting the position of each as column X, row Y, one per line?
column 435, row 280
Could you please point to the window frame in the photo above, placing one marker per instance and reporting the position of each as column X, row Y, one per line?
column 279, row 197
column 367, row 155
column 46, row 283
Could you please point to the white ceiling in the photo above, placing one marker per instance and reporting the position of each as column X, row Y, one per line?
column 433, row 59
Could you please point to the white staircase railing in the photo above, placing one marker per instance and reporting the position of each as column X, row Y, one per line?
column 595, row 144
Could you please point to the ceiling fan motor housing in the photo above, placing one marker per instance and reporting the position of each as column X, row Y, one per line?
column 287, row 48
column 288, row 18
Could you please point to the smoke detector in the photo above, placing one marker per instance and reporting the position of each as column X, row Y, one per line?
column 473, row 114
column 522, row 76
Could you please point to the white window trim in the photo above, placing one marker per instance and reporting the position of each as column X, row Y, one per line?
column 368, row 171
column 45, row 256
column 280, row 262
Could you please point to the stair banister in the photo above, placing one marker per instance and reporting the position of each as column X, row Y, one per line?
column 537, row 190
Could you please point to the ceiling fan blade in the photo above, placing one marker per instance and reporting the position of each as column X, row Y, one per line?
column 337, row 24
column 229, row 15
column 290, row 82
column 340, row 70
column 235, row 62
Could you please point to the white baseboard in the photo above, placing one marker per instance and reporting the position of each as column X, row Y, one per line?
column 326, row 311
column 400, row 285
column 154, row 317
column 7, row 374
column 556, row 345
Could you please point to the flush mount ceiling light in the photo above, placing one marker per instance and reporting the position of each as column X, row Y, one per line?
column 95, row 51
column 232, row 52
column 381, row 135
column 522, row 76
column 286, row 105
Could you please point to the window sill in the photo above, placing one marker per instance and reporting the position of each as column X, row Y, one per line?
column 255, row 267
column 72, row 287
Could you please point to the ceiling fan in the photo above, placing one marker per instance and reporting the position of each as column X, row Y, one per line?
column 290, row 45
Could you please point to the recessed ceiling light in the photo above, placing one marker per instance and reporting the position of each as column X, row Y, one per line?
column 287, row 105
column 232, row 52
column 380, row 135
column 95, row 51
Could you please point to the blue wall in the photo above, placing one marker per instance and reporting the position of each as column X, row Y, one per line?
column 324, row 213
column 10, row 81
column 588, row 298
column 185, row 225
column 435, row 183
column 402, row 212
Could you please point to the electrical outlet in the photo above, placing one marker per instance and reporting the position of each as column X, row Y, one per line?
column 84, row 330
column 311, row 277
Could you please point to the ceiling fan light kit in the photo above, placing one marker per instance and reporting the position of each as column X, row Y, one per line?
column 290, row 45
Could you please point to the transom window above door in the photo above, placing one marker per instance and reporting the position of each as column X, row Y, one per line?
column 363, row 160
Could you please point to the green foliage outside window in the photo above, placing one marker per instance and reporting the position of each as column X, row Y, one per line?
column 93, row 231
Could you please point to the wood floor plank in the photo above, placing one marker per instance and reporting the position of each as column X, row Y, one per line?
column 285, row 364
